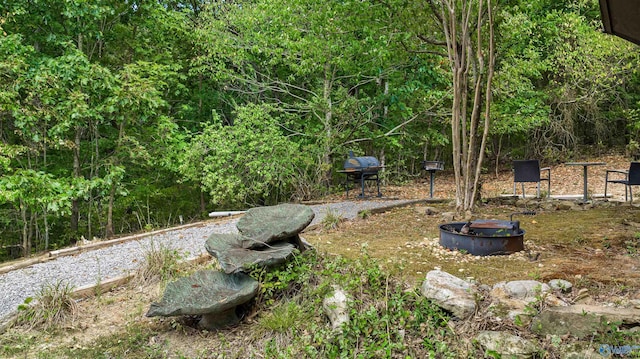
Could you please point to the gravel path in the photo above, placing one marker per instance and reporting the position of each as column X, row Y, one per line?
column 99, row 265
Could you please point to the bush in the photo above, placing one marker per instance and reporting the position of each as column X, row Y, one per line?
column 387, row 319
column 161, row 264
column 51, row 307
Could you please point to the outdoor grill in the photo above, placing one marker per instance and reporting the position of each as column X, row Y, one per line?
column 360, row 170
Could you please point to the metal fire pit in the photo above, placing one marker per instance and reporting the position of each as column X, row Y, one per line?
column 484, row 237
column 361, row 169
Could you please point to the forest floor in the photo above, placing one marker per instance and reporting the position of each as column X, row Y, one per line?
column 597, row 248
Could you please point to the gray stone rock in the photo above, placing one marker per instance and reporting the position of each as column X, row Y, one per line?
column 448, row 216
column 506, row 344
column 567, row 205
column 429, row 211
column 214, row 295
column 233, row 257
column 548, row 205
column 581, row 350
column 561, row 284
column 581, row 320
column 523, row 289
column 519, row 293
column 524, row 202
column 336, row 308
column 450, row 293
column 263, row 225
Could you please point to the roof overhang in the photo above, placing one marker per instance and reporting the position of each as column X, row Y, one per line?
column 621, row 18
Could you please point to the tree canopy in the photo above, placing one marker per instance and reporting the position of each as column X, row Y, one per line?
column 125, row 116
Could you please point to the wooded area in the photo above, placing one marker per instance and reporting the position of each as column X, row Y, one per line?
column 120, row 116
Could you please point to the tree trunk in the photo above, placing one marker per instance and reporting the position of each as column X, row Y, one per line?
column 26, row 240
column 468, row 69
column 75, row 203
column 109, row 232
column 328, row 125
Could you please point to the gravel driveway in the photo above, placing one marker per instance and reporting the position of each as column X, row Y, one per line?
column 99, row 265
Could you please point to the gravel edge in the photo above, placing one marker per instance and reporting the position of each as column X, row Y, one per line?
column 91, row 266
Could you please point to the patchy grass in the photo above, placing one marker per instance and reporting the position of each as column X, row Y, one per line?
column 331, row 220
column 577, row 245
column 52, row 306
column 388, row 319
column 380, row 260
column 161, row 263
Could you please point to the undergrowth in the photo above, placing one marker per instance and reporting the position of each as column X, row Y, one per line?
column 51, row 307
column 161, row 263
column 387, row 318
column 331, row 220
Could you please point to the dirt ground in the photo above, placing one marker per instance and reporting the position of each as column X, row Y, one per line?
column 597, row 248
column 594, row 246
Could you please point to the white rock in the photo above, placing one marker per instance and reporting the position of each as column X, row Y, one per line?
column 506, row 344
column 450, row 293
column 336, row 307
column 561, row 284
column 518, row 294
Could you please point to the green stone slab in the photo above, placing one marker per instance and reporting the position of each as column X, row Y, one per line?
column 263, row 225
column 204, row 292
column 233, row 258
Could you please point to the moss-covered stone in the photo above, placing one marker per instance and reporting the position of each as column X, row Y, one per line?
column 212, row 294
column 231, row 255
column 263, row 225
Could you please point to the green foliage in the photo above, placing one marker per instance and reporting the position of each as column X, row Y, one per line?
column 614, row 334
column 331, row 220
column 534, row 307
column 284, row 317
column 334, row 70
column 110, row 109
column 284, row 280
column 161, row 263
column 40, row 190
column 249, row 162
column 85, row 99
column 364, row 214
column 386, row 318
column 52, row 306
column 559, row 80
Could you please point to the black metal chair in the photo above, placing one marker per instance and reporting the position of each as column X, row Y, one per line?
column 631, row 178
column 530, row 171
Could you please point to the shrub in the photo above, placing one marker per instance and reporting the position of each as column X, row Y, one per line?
column 387, row 318
column 52, row 306
column 331, row 220
column 161, row 264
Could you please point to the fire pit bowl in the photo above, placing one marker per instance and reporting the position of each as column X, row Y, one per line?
column 483, row 237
